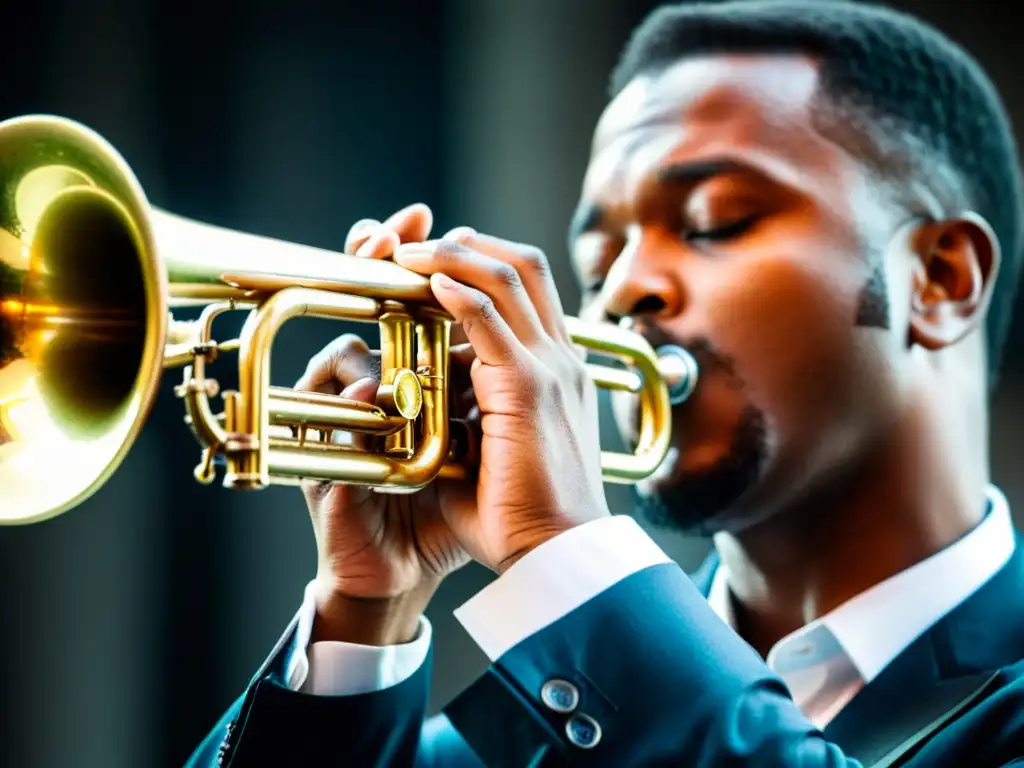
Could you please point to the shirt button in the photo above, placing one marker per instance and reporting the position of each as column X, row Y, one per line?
column 583, row 731
column 560, row 696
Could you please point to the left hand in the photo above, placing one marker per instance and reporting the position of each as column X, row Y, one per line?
column 540, row 459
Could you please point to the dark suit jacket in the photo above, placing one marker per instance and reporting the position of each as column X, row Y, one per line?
column 669, row 684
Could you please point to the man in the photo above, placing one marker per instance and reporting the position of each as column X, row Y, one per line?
column 822, row 201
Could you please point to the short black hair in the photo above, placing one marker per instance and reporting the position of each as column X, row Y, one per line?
column 932, row 114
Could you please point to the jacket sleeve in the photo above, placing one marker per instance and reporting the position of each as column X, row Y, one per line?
column 641, row 673
column 271, row 724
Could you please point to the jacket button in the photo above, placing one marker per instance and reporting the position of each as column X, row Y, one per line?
column 583, row 731
column 560, row 696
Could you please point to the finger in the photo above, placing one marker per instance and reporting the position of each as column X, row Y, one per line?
column 363, row 390
column 534, row 272
column 412, row 224
column 493, row 340
column 358, row 234
column 459, row 234
column 497, row 279
column 380, row 245
column 374, row 239
column 338, row 365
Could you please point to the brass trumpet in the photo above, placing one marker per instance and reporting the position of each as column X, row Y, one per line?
column 89, row 274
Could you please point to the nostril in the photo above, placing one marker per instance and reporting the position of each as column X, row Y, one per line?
column 649, row 305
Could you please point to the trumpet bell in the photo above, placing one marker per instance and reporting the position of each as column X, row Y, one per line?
column 83, row 315
column 89, row 273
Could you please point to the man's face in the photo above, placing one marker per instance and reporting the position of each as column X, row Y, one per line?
column 714, row 216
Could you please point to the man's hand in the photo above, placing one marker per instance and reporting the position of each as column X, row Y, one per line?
column 540, row 470
column 519, row 380
column 380, row 556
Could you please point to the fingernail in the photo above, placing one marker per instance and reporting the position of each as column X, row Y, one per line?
column 372, row 242
column 461, row 234
column 361, row 387
column 443, row 281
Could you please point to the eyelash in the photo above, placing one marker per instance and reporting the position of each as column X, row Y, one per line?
column 718, row 234
column 727, row 232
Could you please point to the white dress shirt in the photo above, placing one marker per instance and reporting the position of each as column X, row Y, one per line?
column 824, row 664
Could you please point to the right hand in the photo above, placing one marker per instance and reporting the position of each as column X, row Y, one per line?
column 380, row 556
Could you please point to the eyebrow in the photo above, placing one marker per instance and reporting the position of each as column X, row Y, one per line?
column 701, row 170
column 589, row 216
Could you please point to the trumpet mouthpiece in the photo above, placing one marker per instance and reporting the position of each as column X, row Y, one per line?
column 680, row 371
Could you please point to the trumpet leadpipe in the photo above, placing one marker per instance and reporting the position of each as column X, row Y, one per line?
column 676, row 366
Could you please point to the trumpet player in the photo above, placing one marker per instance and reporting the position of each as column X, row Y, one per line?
column 822, row 202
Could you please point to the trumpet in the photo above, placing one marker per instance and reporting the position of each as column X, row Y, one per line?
column 89, row 276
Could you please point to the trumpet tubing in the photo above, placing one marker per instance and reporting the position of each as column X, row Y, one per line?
column 89, row 276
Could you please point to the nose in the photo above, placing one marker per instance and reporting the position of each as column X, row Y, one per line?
column 645, row 281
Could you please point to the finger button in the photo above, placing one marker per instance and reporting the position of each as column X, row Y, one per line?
column 583, row 731
column 560, row 696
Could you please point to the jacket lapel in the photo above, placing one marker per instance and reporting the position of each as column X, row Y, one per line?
column 904, row 700
column 945, row 671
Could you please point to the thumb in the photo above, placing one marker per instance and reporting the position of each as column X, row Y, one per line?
column 362, row 391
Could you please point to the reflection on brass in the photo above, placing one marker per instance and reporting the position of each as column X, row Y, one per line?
column 89, row 273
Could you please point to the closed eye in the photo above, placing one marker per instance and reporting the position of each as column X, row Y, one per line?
column 717, row 234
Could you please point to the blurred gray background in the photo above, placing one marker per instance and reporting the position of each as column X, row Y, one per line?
column 131, row 623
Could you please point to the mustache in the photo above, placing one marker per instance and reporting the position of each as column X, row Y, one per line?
column 707, row 355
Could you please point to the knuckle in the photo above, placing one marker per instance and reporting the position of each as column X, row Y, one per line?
column 448, row 251
column 507, row 275
column 480, row 313
column 534, row 260
column 329, row 359
column 344, row 346
column 485, row 307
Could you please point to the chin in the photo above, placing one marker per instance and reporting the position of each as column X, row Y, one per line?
column 695, row 489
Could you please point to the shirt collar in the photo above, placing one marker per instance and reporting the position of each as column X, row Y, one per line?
column 874, row 627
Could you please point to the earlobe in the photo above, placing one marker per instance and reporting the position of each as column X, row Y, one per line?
column 956, row 263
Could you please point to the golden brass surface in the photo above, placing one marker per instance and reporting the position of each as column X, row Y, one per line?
column 89, row 274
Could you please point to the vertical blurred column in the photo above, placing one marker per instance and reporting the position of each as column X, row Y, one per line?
column 525, row 82
column 80, row 615
column 332, row 116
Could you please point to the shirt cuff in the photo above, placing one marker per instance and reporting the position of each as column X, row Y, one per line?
column 332, row 668
column 555, row 579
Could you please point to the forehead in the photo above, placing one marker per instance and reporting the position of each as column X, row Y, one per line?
column 752, row 108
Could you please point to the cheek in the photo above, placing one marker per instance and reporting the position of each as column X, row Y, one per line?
column 790, row 328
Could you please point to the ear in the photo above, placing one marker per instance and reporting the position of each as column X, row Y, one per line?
column 957, row 261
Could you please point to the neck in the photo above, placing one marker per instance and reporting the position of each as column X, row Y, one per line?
column 908, row 499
